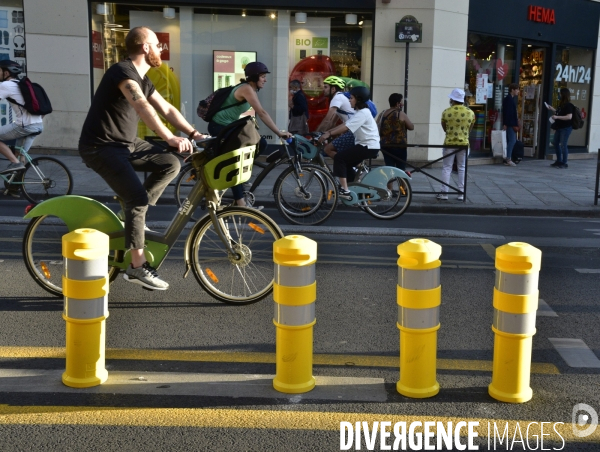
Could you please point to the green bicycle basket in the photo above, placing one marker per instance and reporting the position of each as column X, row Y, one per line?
column 230, row 169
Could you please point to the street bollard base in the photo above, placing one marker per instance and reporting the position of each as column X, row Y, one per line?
column 421, row 393
column 522, row 397
column 294, row 388
column 97, row 380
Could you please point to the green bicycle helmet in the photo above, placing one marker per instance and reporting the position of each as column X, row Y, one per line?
column 335, row 81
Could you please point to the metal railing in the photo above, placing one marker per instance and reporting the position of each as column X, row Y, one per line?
column 596, row 195
column 421, row 169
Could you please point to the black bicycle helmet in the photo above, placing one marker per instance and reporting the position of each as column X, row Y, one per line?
column 255, row 68
column 361, row 93
column 11, row 66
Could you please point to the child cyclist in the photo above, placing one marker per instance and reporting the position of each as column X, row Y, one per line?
column 366, row 139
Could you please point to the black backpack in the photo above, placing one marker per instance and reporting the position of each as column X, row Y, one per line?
column 210, row 106
column 35, row 99
column 576, row 119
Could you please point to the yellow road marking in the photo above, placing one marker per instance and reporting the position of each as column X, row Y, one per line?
column 257, row 419
column 261, row 357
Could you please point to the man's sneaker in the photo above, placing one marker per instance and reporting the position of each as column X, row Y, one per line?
column 461, row 197
column 563, row 165
column 12, row 167
column 145, row 276
column 345, row 194
column 555, row 164
column 442, row 197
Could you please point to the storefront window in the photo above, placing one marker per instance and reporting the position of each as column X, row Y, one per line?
column 204, row 48
column 491, row 67
column 12, row 44
column 574, row 71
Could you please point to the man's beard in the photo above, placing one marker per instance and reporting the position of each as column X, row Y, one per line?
column 153, row 59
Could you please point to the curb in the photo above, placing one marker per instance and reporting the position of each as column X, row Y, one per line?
column 458, row 208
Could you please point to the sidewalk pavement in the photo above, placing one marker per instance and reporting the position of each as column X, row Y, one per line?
column 532, row 188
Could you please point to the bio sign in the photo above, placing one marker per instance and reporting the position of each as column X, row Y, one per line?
column 409, row 30
column 315, row 42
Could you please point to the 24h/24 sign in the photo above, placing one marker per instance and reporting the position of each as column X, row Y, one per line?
column 409, row 30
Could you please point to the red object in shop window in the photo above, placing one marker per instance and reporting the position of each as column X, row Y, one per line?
column 311, row 71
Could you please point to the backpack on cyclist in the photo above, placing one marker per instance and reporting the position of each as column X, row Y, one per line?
column 35, row 99
column 210, row 106
column 576, row 119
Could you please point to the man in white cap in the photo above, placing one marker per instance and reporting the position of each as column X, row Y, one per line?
column 457, row 122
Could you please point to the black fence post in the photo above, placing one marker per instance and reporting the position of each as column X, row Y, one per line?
column 596, row 196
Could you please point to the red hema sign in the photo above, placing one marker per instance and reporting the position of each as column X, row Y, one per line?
column 541, row 14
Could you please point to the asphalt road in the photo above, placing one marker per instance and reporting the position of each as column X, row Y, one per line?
column 189, row 373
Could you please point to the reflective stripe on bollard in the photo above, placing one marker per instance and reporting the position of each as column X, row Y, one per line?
column 294, row 296
column 418, row 298
column 515, row 305
column 85, row 290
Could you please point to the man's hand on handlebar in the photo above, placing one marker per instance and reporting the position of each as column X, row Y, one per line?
column 183, row 144
column 285, row 135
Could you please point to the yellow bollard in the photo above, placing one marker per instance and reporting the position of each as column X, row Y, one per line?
column 515, row 305
column 419, row 296
column 294, row 294
column 85, row 288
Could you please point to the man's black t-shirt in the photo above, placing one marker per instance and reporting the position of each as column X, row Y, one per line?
column 563, row 111
column 112, row 121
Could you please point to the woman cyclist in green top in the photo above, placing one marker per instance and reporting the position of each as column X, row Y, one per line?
column 246, row 93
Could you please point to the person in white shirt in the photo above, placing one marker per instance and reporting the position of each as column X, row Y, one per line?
column 366, row 139
column 339, row 108
column 25, row 126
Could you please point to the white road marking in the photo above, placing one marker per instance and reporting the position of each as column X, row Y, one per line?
column 544, row 310
column 575, row 353
column 588, row 270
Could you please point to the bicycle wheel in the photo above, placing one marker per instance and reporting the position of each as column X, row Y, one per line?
column 183, row 185
column 309, row 199
column 42, row 253
column 46, row 177
column 242, row 279
column 394, row 205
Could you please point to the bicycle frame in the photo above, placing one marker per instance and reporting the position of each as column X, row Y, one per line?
column 372, row 181
column 81, row 212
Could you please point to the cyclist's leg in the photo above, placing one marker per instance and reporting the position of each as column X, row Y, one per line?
column 162, row 165
column 10, row 132
column 32, row 131
column 341, row 143
column 112, row 164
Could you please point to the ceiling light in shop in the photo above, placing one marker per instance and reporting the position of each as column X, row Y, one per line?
column 361, row 22
column 168, row 13
column 243, row 13
column 300, row 18
column 272, row 15
column 351, row 19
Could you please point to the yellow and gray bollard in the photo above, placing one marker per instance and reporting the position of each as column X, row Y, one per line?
column 294, row 293
column 515, row 305
column 85, row 288
column 419, row 295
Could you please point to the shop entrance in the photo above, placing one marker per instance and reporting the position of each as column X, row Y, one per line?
column 530, row 102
